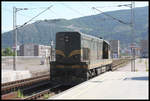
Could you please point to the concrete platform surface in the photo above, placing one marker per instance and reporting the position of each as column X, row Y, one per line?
column 110, row 85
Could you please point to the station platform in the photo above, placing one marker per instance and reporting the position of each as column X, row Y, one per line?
column 110, row 85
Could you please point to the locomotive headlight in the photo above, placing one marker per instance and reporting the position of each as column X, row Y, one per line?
column 66, row 38
column 75, row 57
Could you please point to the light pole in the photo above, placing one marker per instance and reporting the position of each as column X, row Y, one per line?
column 15, row 27
column 130, row 24
column 132, row 5
column 52, row 43
column 15, row 10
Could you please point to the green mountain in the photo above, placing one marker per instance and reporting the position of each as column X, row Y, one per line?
column 41, row 32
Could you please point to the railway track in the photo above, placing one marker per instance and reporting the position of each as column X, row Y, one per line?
column 23, row 80
column 117, row 63
column 53, row 90
column 19, row 84
column 36, row 85
column 38, row 93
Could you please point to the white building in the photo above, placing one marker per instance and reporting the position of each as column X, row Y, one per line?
column 35, row 50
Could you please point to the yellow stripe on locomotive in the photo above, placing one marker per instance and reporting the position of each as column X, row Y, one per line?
column 59, row 52
column 72, row 53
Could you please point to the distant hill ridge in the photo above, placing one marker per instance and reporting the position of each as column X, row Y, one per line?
column 100, row 25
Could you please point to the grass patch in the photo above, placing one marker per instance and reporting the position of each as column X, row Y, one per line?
column 20, row 94
column 46, row 96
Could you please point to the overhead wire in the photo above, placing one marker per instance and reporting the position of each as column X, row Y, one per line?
column 53, row 12
column 112, row 17
column 30, row 17
column 36, row 16
column 76, row 11
column 72, row 9
column 17, row 12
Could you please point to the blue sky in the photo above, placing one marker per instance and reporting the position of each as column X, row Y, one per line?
column 67, row 10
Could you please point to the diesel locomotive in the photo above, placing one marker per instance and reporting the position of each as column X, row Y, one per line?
column 79, row 57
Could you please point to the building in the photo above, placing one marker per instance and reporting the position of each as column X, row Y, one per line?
column 144, row 48
column 115, row 46
column 27, row 50
column 34, row 50
column 41, row 50
column 134, row 50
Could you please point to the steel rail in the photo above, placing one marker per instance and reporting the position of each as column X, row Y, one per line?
column 17, row 85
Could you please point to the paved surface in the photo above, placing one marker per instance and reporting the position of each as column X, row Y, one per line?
column 120, row 84
column 110, row 85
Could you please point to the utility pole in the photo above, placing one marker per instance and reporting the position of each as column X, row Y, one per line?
column 132, row 5
column 15, row 27
column 132, row 34
column 15, row 38
column 15, row 34
column 51, row 43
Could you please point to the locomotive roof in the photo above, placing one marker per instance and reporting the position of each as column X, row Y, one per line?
column 94, row 37
column 82, row 34
column 90, row 36
column 107, row 42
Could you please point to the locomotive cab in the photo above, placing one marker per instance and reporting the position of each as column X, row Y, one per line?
column 68, row 68
column 68, row 47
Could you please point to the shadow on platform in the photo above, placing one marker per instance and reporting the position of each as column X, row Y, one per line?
column 137, row 78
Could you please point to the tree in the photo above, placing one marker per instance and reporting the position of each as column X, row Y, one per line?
column 7, row 52
column 2, row 51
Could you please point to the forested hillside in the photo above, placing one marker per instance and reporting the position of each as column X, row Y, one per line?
column 41, row 32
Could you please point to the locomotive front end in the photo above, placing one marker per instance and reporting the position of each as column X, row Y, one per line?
column 68, row 47
column 68, row 69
